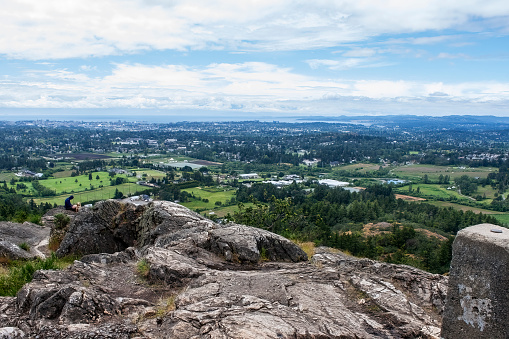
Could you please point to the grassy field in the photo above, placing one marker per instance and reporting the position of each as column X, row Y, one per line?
column 7, row 176
column 462, row 207
column 223, row 211
column 103, row 193
column 503, row 218
column 416, row 172
column 77, row 183
column 150, row 174
column 361, row 168
column 213, row 194
column 432, row 190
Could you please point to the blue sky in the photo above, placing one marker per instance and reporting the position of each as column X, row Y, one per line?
column 281, row 58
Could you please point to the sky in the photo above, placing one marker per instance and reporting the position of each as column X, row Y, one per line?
column 254, row 57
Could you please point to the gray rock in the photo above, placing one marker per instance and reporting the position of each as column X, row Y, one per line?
column 13, row 252
column 11, row 333
column 477, row 305
column 35, row 236
column 247, row 244
column 206, row 280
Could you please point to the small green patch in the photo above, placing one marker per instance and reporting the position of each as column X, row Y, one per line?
column 143, row 268
column 61, row 221
column 21, row 272
column 24, row 246
column 263, row 255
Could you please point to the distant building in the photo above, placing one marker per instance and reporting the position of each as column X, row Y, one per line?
column 249, row 176
column 333, row 183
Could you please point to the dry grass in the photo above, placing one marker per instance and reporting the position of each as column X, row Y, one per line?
column 308, row 247
column 54, row 242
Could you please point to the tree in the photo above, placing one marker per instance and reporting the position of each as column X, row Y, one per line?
column 97, row 177
column 89, row 176
column 118, row 194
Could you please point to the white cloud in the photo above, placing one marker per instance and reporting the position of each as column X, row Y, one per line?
column 53, row 29
column 253, row 86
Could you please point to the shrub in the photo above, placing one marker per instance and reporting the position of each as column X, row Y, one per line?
column 20, row 273
column 61, row 221
column 143, row 268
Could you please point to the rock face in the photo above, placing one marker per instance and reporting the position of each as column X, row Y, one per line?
column 477, row 304
column 13, row 234
column 166, row 272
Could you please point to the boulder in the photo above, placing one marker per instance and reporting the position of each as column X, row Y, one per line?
column 10, row 251
column 477, row 305
column 35, row 236
column 249, row 245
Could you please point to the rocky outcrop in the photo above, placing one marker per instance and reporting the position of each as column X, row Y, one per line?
column 13, row 234
column 183, row 276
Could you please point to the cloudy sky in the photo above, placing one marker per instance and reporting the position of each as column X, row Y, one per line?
column 294, row 58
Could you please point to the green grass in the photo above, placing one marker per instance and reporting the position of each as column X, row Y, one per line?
column 7, row 176
column 431, row 190
column 503, row 218
column 462, row 207
column 69, row 185
column 416, row 172
column 18, row 273
column 361, row 168
column 103, row 193
column 150, row 174
column 213, row 194
column 223, row 211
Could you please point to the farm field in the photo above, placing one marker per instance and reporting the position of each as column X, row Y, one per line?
column 223, row 211
column 416, row 172
column 502, row 217
column 150, row 173
column 107, row 192
column 462, row 207
column 431, row 190
column 213, row 194
column 6, row 176
column 361, row 168
column 77, row 184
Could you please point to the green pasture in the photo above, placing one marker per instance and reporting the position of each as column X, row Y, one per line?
column 503, row 218
column 431, row 190
column 150, row 173
column 361, row 167
column 7, row 176
column 417, row 172
column 213, row 194
column 223, row 211
column 103, row 193
column 462, row 207
column 62, row 174
column 71, row 185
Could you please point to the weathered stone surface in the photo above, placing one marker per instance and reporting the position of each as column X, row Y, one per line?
column 11, row 333
column 109, row 227
column 247, row 244
column 207, row 280
column 35, row 236
column 477, row 304
column 13, row 252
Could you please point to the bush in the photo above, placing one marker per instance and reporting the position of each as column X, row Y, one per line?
column 143, row 268
column 21, row 273
column 61, row 221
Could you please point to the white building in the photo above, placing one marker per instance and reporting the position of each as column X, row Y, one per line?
column 333, row 183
